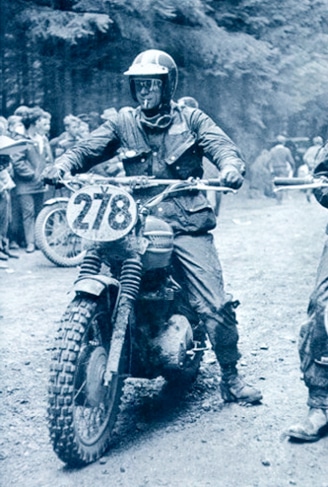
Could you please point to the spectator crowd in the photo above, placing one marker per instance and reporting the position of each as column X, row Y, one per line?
column 22, row 191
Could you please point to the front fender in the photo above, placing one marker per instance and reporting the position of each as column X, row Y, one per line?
column 95, row 285
column 53, row 201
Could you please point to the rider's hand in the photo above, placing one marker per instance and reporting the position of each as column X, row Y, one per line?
column 231, row 177
column 52, row 175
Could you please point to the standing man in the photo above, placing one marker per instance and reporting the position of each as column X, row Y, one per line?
column 310, row 156
column 281, row 162
column 313, row 341
column 28, row 166
column 161, row 139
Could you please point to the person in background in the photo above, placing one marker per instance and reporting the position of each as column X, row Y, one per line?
column 162, row 139
column 281, row 162
column 310, row 155
column 16, row 130
column 6, row 185
column 210, row 171
column 313, row 339
column 28, row 166
column 68, row 138
column 92, row 118
column 22, row 111
column 43, row 129
column 308, row 164
column 260, row 183
column 84, row 130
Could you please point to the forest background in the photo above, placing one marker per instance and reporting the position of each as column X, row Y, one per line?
column 257, row 67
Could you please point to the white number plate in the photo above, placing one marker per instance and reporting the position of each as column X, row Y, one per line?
column 101, row 213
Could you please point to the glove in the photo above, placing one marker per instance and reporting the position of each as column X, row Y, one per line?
column 51, row 175
column 231, row 177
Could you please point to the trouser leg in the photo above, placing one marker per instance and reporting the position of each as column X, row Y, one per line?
column 38, row 203
column 31, row 205
column 4, row 213
column 313, row 342
column 27, row 207
column 313, row 351
column 200, row 270
column 16, row 230
column 201, row 273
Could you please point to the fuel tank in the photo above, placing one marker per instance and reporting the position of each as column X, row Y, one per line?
column 159, row 235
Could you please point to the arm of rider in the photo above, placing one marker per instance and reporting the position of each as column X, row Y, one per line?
column 321, row 194
column 231, row 177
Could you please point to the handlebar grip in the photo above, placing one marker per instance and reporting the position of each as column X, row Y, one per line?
column 291, row 181
column 214, row 182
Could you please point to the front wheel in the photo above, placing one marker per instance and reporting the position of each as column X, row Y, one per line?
column 82, row 411
column 54, row 237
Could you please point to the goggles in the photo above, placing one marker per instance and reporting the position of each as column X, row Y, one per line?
column 148, row 84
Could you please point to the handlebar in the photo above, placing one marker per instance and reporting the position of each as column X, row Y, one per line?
column 309, row 182
column 143, row 182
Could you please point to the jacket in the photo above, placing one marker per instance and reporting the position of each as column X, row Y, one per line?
column 28, row 166
column 175, row 151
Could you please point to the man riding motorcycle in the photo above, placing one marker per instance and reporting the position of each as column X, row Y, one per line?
column 161, row 139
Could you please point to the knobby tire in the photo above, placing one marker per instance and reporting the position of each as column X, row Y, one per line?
column 80, row 339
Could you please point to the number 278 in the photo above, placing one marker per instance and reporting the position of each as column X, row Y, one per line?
column 119, row 217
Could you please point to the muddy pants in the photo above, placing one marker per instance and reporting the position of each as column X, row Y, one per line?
column 313, row 343
column 199, row 265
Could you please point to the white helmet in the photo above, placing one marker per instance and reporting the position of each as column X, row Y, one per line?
column 155, row 64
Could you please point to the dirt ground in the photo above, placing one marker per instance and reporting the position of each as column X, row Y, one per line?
column 269, row 255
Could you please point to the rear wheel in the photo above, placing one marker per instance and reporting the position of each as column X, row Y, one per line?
column 82, row 411
column 54, row 237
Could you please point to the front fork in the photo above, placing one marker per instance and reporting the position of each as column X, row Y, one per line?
column 130, row 283
column 91, row 281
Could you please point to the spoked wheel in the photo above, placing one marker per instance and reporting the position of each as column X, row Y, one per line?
column 82, row 411
column 54, row 237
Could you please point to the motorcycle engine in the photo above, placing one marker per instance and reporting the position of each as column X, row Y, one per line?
column 173, row 343
column 159, row 235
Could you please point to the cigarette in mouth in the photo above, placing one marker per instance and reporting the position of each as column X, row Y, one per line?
column 145, row 103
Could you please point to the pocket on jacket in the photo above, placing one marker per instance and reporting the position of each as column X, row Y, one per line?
column 189, row 213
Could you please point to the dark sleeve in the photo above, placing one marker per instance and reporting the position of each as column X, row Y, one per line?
column 21, row 167
column 215, row 143
column 101, row 145
column 321, row 169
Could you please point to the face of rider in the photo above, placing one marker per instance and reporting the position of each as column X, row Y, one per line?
column 148, row 92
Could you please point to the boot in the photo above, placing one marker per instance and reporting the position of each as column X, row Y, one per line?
column 234, row 388
column 311, row 428
column 6, row 250
column 3, row 256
